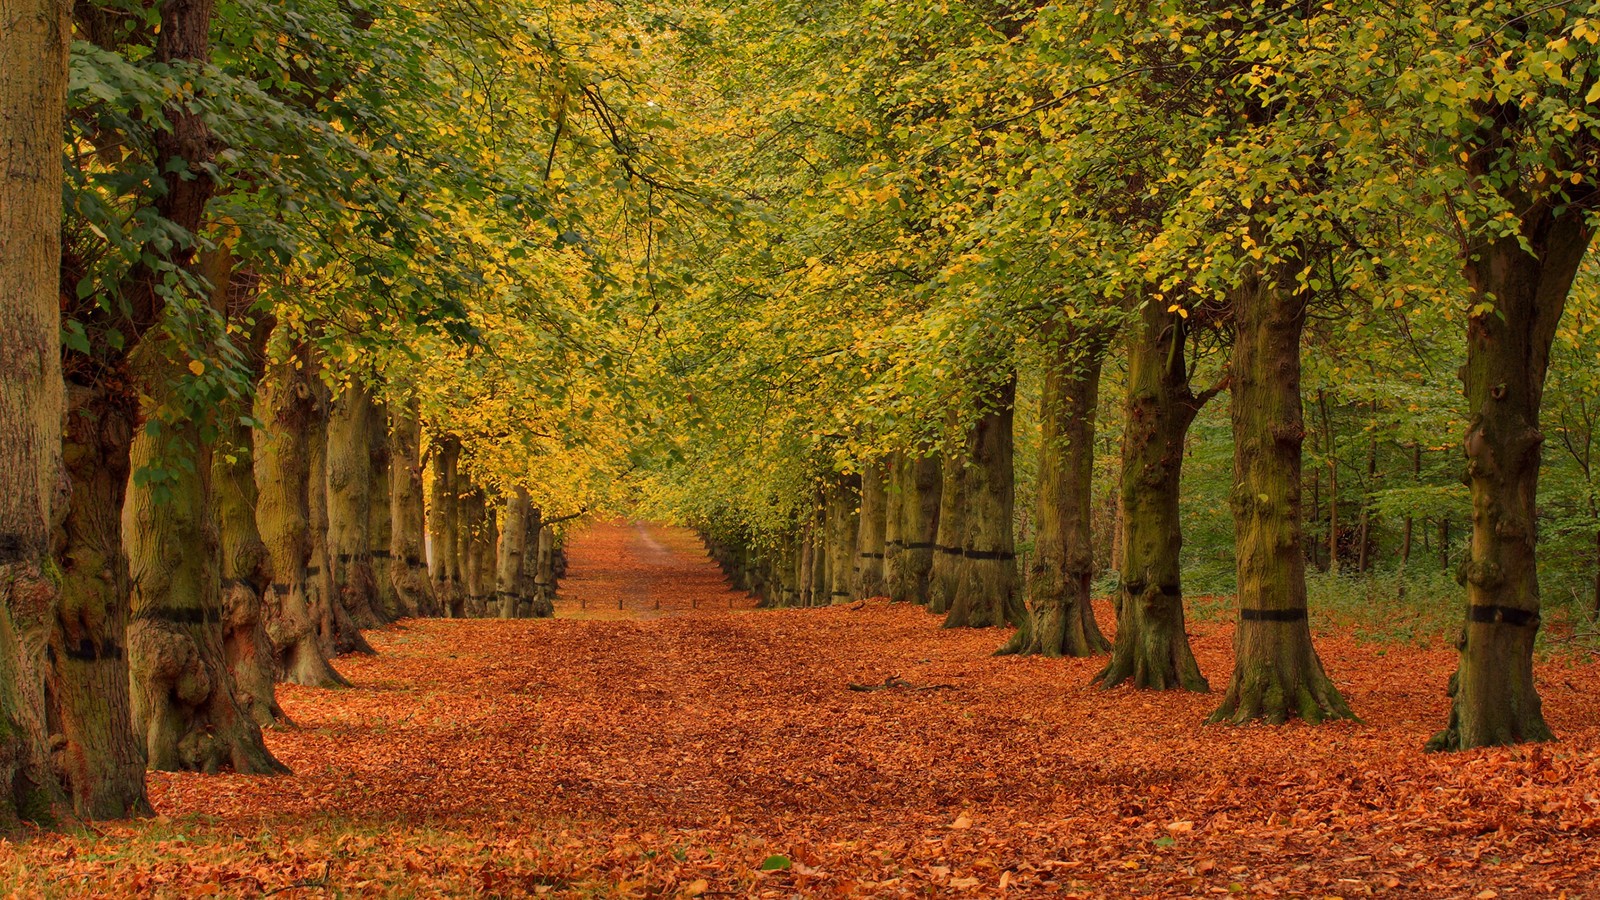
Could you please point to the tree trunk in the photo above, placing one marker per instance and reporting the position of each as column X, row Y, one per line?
column 478, row 532
column 1152, row 647
column 986, row 583
column 944, row 569
column 335, row 628
column 536, row 602
column 287, row 403
column 1059, row 620
column 1333, row 484
column 349, row 467
column 444, row 527
column 544, row 575
column 1508, row 355
column 509, row 561
column 868, row 580
column 920, row 512
column 380, row 514
column 185, row 702
column 1364, row 518
column 1416, row 474
column 33, row 88
column 407, row 550
column 843, row 525
column 1276, row 671
column 894, row 523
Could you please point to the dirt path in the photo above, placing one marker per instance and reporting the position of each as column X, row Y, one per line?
column 670, row 756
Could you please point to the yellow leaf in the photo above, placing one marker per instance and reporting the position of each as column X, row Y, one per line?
column 197, row 367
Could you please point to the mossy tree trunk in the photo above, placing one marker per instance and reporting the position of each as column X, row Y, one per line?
column 380, row 514
column 246, row 566
column 287, row 404
column 185, row 702
column 843, row 523
column 1060, row 618
column 444, row 526
column 920, row 531
column 1276, row 671
column 944, row 571
column 868, row 577
column 407, row 540
column 33, row 89
column 1494, row 699
column 987, row 593
column 1152, row 647
column 349, row 472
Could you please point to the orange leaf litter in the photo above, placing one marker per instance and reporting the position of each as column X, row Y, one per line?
column 671, row 752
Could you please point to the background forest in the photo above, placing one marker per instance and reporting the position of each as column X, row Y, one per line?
column 987, row 306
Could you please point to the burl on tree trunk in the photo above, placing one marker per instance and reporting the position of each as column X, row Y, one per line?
column 185, row 702
column 1060, row 618
column 1494, row 699
column 1276, row 671
column 1152, row 648
column 986, row 591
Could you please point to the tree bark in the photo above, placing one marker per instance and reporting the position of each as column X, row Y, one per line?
column 33, row 88
column 894, row 523
column 1276, row 671
column 185, row 702
column 349, row 473
column 407, row 540
column 380, row 514
column 868, row 580
column 1152, row 647
column 1059, row 620
column 920, row 514
column 1508, row 356
column 287, row 403
column 544, row 574
column 843, row 525
column 444, row 526
column 509, row 562
column 478, row 533
column 987, row 592
column 944, row 568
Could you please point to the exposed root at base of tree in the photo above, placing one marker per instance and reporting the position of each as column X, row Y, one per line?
column 1259, row 693
column 1056, row 631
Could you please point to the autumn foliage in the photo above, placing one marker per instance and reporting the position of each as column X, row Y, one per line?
column 675, row 752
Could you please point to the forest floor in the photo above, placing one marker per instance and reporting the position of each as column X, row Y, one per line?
column 672, row 752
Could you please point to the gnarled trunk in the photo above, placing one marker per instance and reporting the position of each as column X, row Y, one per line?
column 185, row 702
column 287, row 403
column 1060, row 618
column 349, row 472
column 102, row 762
column 868, row 579
column 1494, row 699
column 337, row 631
column 407, row 538
column 1152, row 647
column 1276, row 672
column 33, row 88
column 986, row 590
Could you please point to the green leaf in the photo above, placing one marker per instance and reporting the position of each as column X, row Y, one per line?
column 776, row 863
column 1165, row 841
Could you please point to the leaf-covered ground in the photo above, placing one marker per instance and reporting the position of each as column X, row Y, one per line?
column 671, row 752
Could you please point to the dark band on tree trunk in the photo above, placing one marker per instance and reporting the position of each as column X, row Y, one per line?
column 280, row 587
column 87, row 651
column 953, row 551
column 988, row 554
column 1137, row 588
column 379, row 554
column 870, row 555
column 921, row 545
column 313, row 570
column 1272, row 615
column 1510, row 615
